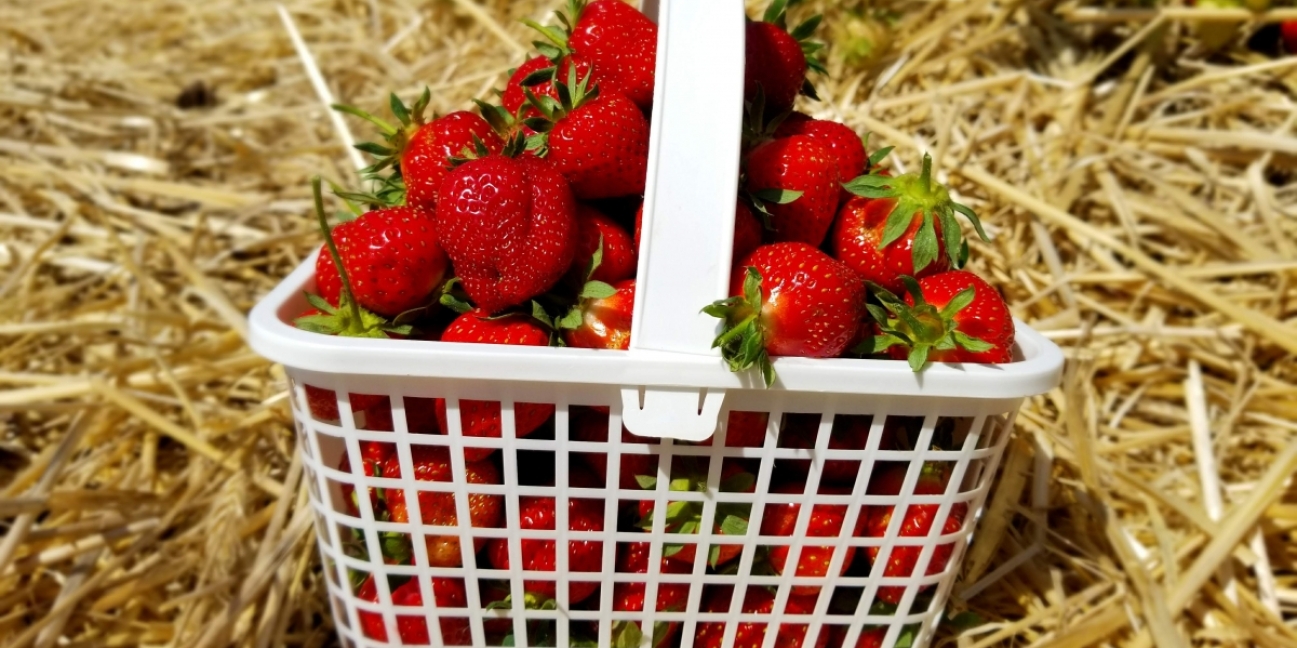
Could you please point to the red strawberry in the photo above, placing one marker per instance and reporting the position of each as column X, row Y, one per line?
column 509, row 228
column 916, row 524
column 629, row 597
column 413, row 630
column 848, row 433
column 539, row 555
column 590, row 425
column 420, row 416
column 842, row 143
column 621, row 44
column 900, row 226
column 1288, row 32
column 685, row 517
column 597, row 139
column 323, row 403
column 795, row 181
column 747, row 230
column 869, row 637
column 776, row 60
column 422, row 149
column 618, row 258
column 963, row 319
column 482, row 418
column 372, row 456
column 795, row 300
column 432, row 463
column 601, row 320
column 750, row 634
column 539, row 72
column 826, row 522
column 744, row 430
column 392, row 260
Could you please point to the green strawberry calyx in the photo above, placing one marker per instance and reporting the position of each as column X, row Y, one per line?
column 348, row 319
column 397, row 136
column 742, row 340
column 922, row 327
column 571, row 95
column 555, row 44
column 686, row 516
column 916, row 196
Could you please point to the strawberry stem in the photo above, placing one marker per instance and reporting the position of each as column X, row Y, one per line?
column 333, row 249
column 385, row 128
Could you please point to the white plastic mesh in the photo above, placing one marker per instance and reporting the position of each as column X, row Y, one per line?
column 555, row 461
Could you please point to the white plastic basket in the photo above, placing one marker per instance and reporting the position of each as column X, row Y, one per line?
column 669, row 385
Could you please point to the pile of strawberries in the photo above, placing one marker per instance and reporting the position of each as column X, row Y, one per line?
column 519, row 224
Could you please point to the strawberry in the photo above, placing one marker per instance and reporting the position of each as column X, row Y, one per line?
column 848, row 433
column 747, row 230
column 539, row 555
column 869, row 637
column 949, row 317
column 423, row 150
column 900, row 226
column 751, row 634
column 744, row 430
column 685, row 517
column 917, row 523
column 598, row 140
column 826, row 522
column 432, row 463
column 420, row 416
column 618, row 253
column 793, row 300
column 794, row 182
column 1288, row 33
column 633, row 558
column 413, row 629
column 323, row 403
column 509, row 227
column 621, row 44
column 391, row 257
column 373, row 455
column 842, row 143
column 602, row 318
column 482, row 418
column 590, row 425
column 776, row 60
column 537, row 77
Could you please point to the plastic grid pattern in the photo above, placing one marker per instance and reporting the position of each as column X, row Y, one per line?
column 983, row 428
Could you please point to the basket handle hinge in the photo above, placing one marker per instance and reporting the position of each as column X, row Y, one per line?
column 685, row 413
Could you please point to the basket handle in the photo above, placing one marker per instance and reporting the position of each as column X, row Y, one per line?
column 688, row 227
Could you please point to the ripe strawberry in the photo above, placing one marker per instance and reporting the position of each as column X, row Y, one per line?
column 848, row 433
column 917, row 523
column 420, row 416
column 392, row 260
column 621, row 44
column 1288, row 32
column 509, row 228
column 323, row 403
column 842, row 143
column 539, row 555
column 432, row 463
column 633, row 558
column 413, row 630
column 793, row 300
column 482, row 418
column 949, row 317
column 869, row 637
column 601, row 319
column 776, row 60
column 750, row 634
column 618, row 256
column 744, row 430
column 422, row 150
column 826, row 522
column 372, row 455
column 795, row 182
column 537, row 77
column 685, row 517
column 598, row 140
column 590, row 425
column 747, row 230
column 900, row 226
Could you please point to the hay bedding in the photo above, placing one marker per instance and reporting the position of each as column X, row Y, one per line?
column 153, row 166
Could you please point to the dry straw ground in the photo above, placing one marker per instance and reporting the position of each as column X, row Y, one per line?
column 1140, row 192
